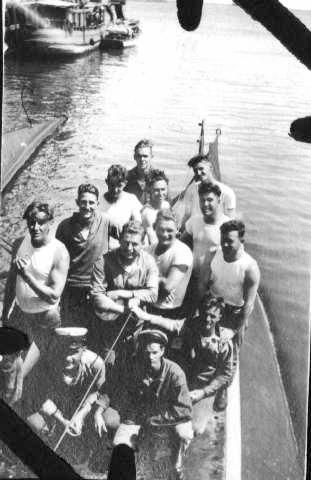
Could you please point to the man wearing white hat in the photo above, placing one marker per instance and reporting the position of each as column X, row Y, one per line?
column 148, row 389
column 65, row 381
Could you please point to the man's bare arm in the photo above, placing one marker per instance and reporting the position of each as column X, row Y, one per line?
column 9, row 292
column 251, row 284
column 53, row 290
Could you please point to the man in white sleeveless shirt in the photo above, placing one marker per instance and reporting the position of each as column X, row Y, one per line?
column 235, row 277
column 35, row 283
column 202, row 233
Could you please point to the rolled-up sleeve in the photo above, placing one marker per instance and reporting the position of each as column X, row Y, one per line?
column 149, row 291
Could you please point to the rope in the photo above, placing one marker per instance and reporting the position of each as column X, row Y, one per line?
column 92, row 382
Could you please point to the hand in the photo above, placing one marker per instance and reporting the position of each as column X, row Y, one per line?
column 22, row 265
column 226, row 334
column 76, row 424
column 113, row 294
column 99, row 422
column 197, row 395
column 133, row 306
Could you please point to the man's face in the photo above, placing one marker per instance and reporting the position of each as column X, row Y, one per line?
column 130, row 246
column 115, row 188
column 209, row 316
column 209, row 203
column 230, row 244
column 87, row 203
column 153, row 352
column 39, row 227
column 143, row 156
column 166, row 232
column 202, row 171
column 71, row 368
column 7, row 361
column 158, row 191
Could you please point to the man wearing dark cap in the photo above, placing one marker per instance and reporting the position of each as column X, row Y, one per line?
column 147, row 389
column 137, row 177
column 35, row 283
column 12, row 343
column 85, row 235
column 66, row 377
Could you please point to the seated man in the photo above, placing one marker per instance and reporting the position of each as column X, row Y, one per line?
column 85, row 235
column 64, row 381
column 137, row 176
column 203, row 172
column 203, row 235
column 235, row 277
column 148, row 390
column 118, row 205
column 122, row 278
column 211, row 362
column 35, row 282
column 157, row 186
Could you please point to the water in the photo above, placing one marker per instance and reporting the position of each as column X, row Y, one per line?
column 232, row 73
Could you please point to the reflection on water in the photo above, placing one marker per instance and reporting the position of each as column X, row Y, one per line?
column 237, row 77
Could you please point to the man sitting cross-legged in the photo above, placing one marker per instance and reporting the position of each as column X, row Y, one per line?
column 147, row 390
column 65, row 379
column 210, row 361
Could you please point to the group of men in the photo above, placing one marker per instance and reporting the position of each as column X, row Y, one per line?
column 150, row 303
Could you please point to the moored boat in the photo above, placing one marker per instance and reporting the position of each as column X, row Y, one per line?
column 55, row 27
column 120, row 36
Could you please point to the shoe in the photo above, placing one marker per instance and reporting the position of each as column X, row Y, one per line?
column 189, row 13
column 221, row 400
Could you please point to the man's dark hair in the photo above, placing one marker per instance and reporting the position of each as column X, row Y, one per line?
column 88, row 188
column 209, row 187
column 213, row 302
column 155, row 176
column 198, row 158
column 233, row 225
column 166, row 214
column 133, row 227
column 36, row 207
column 144, row 142
column 117, row 172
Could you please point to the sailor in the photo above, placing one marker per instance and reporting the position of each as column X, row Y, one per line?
column 211, row 362
column 157, row 187
column 203, row 234
column 85, row 235
column 118, row 205
column 65, row 379
column 203, row 172
column 235, row 277
column 137, row 177
column 35, row 282
column 122, row 278
column 12, row 343
column 148, row 390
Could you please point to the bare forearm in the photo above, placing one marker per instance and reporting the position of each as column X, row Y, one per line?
column 47, row 293
column 102, row 303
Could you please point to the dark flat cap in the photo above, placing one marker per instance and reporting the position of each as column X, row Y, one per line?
column 153, row 335
column 12, row 341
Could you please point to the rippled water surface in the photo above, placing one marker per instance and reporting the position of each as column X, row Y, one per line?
column 232, row 73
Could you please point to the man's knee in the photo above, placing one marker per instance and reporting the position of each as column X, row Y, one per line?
column 185, row 431
column 127, row 435
column 111, row 418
